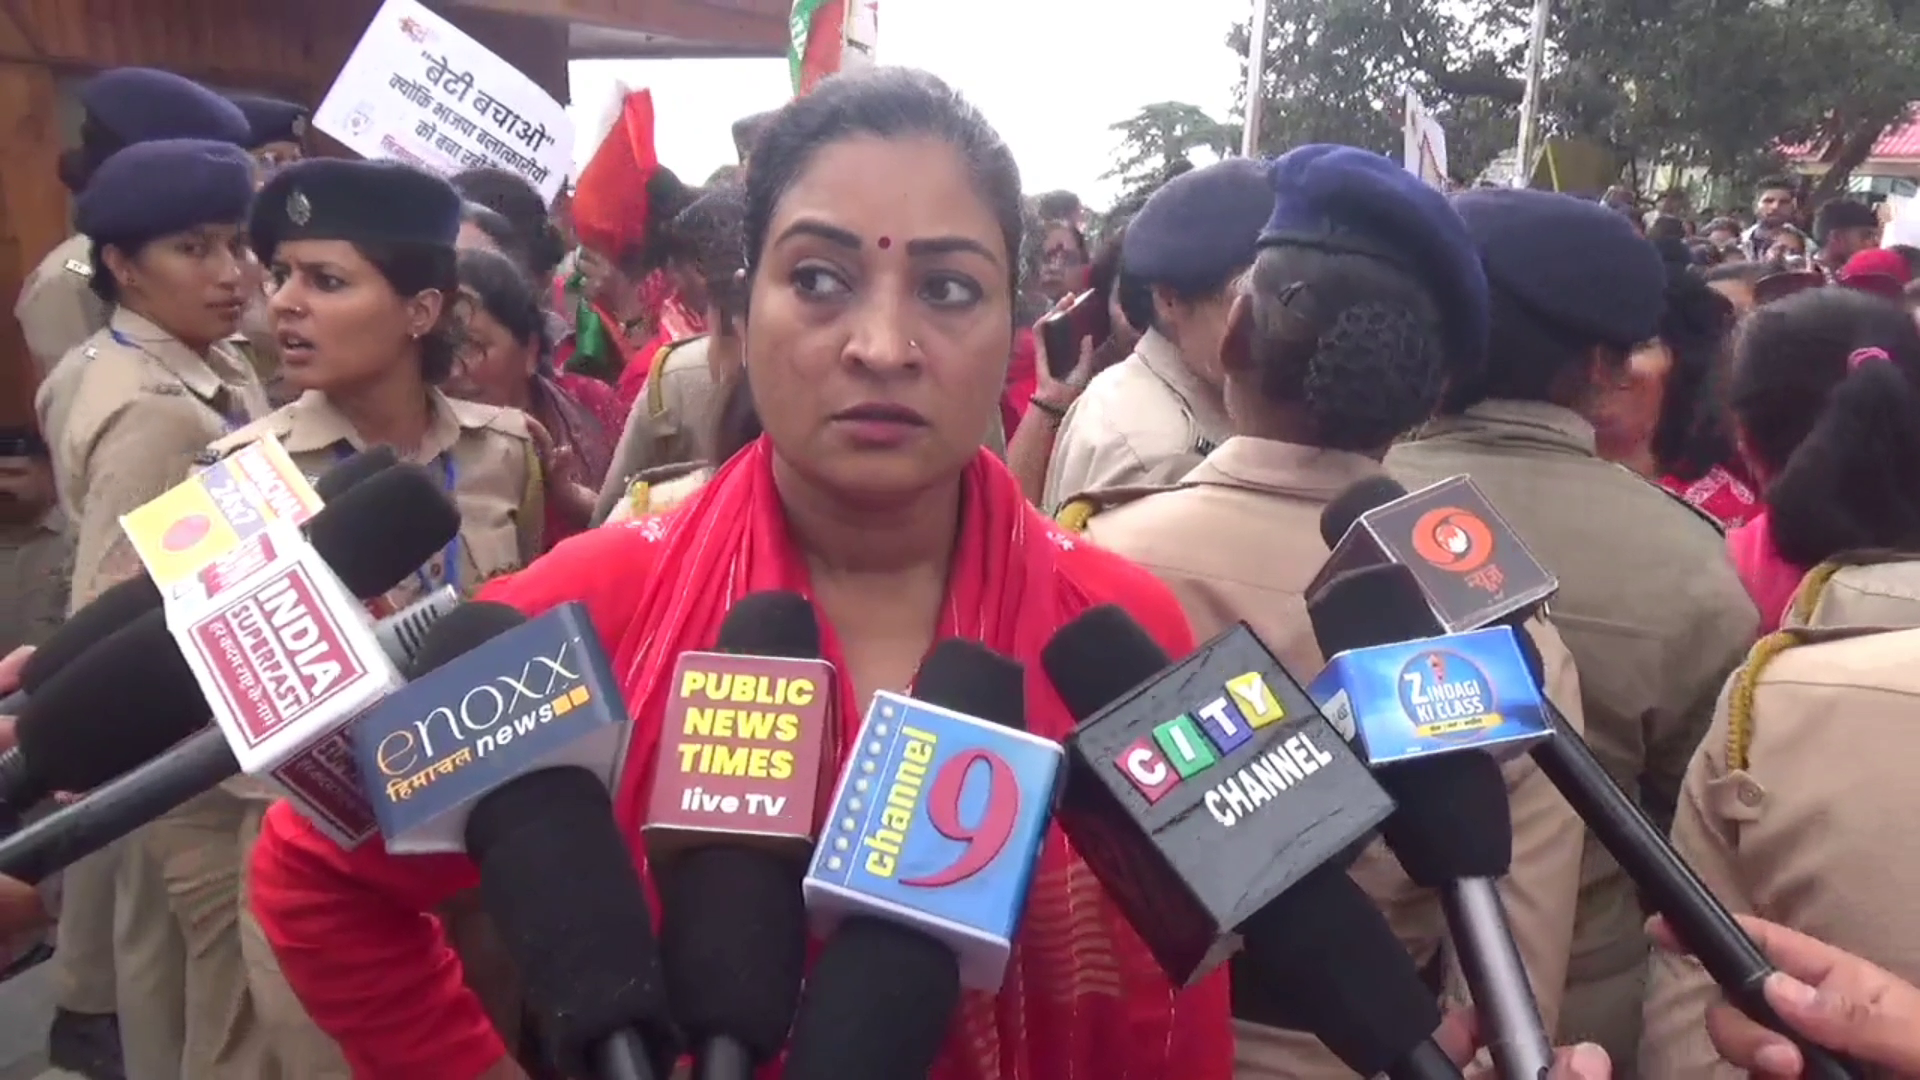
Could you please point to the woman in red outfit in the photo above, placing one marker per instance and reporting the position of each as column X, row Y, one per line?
column 882, row 233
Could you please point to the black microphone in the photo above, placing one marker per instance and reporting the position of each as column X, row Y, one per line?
column 585, row 952
column 886, row 986
column 1663, row 878
column 373, row 535
column 1452, row 830
column 1183, row 849
column 733, row 924
column 121, row 603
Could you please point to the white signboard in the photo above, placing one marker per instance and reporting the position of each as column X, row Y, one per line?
column 417, row 89
column 1425, row 152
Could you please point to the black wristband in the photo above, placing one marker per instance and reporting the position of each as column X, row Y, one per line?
column 1058, row 412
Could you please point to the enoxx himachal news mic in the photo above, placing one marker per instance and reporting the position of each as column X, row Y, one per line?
column 126, row 601
column 730, row 829
column 1215, row 805
column 371, row 536
column 133, row 696
column 502, row 745
column 920, row 878
column 1428, row 715
column 1451, row 529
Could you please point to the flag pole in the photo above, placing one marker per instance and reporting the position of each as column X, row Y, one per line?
column 1530, row 98
column 1256, row 83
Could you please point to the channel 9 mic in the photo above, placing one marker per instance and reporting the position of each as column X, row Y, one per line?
column 920, row 878
column 1428, row 715
column 730, row 829
column 1214, row 804
column 120, row 604
column 1663, row 878
column 371, row 536
column 513, row 725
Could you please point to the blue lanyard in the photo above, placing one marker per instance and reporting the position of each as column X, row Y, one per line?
column 229, row 422
column 449, row 558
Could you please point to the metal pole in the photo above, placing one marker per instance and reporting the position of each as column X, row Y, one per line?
column 1256, row 83
column 1530, row 100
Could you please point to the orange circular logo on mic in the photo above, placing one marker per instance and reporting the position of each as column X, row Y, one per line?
column 1453, row 539
column 183, row 534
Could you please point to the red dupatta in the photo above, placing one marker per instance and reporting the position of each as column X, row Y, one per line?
column 1083, row 999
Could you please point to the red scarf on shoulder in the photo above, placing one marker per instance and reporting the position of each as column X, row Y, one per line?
column 1083, row 999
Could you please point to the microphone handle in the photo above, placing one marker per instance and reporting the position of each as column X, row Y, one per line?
column 1672, row 888
column 623, row 1056
column 17, row 789
column 15, row 703
column 1498, row 979
column 722, row 1057
column 1425, row 1061
column 118, row 807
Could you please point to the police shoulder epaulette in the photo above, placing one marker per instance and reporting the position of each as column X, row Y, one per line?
column 1075, row 513
column 1746, row 681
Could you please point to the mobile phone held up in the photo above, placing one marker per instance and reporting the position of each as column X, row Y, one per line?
column 1062, row 331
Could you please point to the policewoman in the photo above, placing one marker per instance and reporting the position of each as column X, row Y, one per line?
column 1364, row 300
column 1648, row 602
column 277, row 139
column 1799, row 801
column 361, row 257
column 168, row 254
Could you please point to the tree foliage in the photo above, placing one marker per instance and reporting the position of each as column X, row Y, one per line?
column 1717, row 83
column 1157, row 139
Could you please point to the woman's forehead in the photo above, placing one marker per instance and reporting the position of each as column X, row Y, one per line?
column 917, row 187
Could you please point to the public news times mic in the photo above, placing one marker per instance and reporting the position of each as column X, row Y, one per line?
column 539, row 696
column 1206, row 793
column 937, row 822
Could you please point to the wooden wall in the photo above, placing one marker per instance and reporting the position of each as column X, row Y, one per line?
column 288, row 48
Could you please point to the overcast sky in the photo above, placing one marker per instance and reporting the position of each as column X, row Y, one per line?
column 1050, row 74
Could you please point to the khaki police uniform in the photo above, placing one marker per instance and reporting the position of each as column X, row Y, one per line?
column 1797, row 805
column 657, row 491
column 670, row 425
column 36, row 574
column 142, row 406
column 1655, row 617
column 254, row 1026
column 57, row 308
column 1239, row 540
column 1144, row 421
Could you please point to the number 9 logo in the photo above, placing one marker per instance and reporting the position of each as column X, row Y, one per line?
column 984, row 839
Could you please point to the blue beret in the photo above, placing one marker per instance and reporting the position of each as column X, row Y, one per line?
column 1339, row 198
column 1575, row 264
column 155, row 188
column 1200, row 228
column 142, row 104
column 272, row 120
column 382, row 202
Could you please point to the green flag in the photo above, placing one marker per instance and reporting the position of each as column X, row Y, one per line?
column 800, row 28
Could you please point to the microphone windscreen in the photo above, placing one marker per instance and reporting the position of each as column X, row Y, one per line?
column 973, row 680
column 559, row 882
column 109, row 612
column 1360, row 496
column 872, row 968
column 1329, row 964
column 1099, row 658
column 461, row 631
column 735, row 950
column 376, row 533
column 772, row 623
column 1379, row 605
column 128, row 699
column 350, row 473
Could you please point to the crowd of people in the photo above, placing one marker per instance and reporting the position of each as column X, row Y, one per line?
column 825, row 371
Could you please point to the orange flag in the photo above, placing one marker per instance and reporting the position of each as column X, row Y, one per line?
column 610, row 198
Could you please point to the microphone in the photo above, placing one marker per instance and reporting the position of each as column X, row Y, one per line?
column 493, row 696
column 1199, row 792
column 1187, row 877
column 730, row 829
column 532, row 818
column 1669, row 885
column 921, row 879
column 1426, row 713
column 126, row 601
column 1472, row 567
